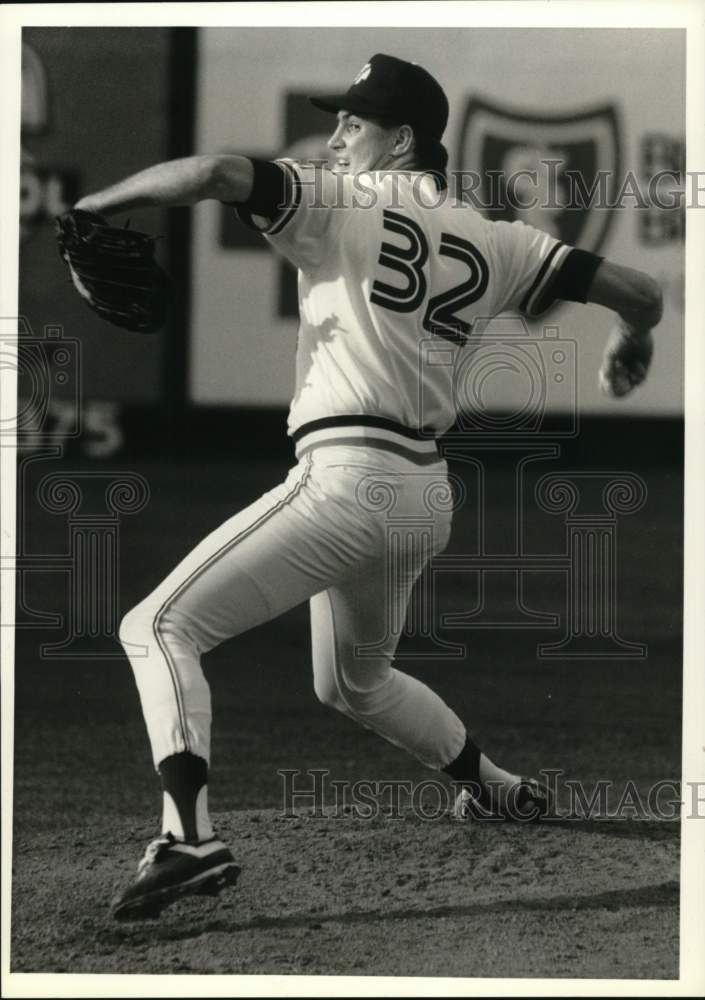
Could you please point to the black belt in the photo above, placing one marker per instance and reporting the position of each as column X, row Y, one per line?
column 418, row 446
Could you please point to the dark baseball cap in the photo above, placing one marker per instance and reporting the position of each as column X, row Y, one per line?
column 396, row 91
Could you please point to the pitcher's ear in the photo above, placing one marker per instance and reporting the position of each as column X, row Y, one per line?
column 405, row 139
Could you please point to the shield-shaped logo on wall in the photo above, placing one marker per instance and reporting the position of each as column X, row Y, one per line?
column 574, row 157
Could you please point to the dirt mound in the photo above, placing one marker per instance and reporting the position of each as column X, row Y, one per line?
column 405, row 897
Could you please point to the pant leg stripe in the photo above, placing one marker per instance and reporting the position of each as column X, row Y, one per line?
column 207, row 564
column 337, row 668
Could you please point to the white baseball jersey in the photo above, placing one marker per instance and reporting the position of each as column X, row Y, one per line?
column 388, row 268
column 381, row 277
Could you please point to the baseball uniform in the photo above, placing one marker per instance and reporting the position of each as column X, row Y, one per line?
column 391, row 270
column 376, row 283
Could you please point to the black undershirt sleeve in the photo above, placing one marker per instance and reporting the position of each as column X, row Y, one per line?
column 271, row 190
column 575, row 278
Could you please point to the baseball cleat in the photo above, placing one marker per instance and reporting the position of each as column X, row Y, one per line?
column 171, row 869
column 527, row 802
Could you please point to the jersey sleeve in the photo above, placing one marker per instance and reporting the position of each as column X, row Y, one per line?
column 304, row 229
column 528, row 263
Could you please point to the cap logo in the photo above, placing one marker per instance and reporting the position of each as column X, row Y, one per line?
column 363, row 74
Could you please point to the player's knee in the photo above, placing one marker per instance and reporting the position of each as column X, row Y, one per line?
column 145, row 621
column 357, row 692
column 135, row 626
column 326, row 690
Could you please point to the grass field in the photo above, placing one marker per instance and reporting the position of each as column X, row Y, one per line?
column 323, row 895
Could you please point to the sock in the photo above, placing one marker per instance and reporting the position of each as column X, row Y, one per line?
column 185, row 797
column 474, row 769
column 466, row 766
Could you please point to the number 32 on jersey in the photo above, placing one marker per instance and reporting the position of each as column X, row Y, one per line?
column 440, row 317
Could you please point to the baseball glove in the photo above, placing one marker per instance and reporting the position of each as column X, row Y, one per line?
column 115, row 271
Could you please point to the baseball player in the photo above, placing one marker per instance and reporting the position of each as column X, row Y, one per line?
column 385, row 267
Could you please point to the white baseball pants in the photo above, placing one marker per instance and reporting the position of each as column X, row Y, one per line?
column 350, row 528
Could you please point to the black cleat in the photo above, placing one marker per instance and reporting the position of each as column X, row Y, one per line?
column 171, row 869
column 533, row 801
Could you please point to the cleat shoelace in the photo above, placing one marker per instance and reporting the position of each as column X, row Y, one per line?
column 154, row 850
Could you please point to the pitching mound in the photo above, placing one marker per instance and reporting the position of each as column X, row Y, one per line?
column 404, row 897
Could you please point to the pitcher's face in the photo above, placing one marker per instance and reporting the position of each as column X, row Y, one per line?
column 361, row 144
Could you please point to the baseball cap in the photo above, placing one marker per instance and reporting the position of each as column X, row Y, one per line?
column 390, row 88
